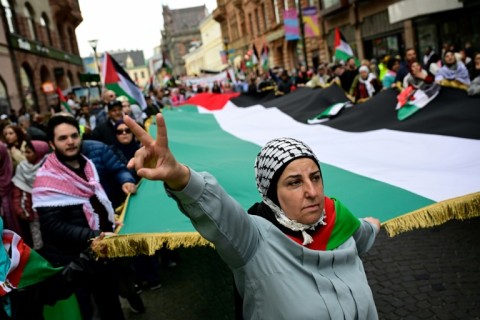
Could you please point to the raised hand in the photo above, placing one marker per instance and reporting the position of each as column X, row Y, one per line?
column 155, row 161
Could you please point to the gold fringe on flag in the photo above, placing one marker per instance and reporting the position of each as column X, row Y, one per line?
column 146, row 243
column 461, row 208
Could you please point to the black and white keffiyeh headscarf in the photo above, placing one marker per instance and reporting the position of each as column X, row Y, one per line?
column 274, row 156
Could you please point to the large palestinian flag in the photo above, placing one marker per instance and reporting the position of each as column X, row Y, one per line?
column 410, row 174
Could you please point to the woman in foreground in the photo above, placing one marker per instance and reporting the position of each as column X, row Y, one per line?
column 296, row 255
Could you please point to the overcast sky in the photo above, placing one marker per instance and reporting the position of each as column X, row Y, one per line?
column 126, row 24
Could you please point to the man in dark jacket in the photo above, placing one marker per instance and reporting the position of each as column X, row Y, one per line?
column 74, row 209
column 114, row 176
column 105, row 132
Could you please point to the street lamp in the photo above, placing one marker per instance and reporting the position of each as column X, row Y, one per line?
column 93, row 44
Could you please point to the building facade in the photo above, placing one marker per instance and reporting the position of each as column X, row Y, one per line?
column 373, row 28
column 206, row 57
column 181, row 28
column 40, row 39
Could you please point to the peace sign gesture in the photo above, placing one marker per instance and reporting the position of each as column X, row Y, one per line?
column 155, row 161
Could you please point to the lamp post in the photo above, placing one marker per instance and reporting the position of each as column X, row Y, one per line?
column 93, row 44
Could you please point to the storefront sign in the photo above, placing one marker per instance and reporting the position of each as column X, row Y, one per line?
column 48, row 87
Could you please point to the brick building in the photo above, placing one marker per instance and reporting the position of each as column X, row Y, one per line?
column 373, row 28
column 38, row 50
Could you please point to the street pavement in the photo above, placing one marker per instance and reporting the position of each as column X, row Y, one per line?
column 422, row 274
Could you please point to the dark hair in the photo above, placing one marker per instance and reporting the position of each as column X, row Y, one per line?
column 113, row 104
column 391, row 62
column 21, row 136
column 58, row 120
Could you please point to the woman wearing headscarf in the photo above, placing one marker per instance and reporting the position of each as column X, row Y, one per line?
column 296, row 256
column 6, row 185
column 15, row 138
column 453, row 73
column 35, row 154
column 125, row 144
column 365, row 86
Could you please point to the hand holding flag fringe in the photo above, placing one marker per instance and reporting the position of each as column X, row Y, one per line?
column 115, row 78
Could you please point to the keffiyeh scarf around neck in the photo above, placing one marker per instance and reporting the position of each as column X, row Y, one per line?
column 368, row 84
column 25, row 174
column 57, row 186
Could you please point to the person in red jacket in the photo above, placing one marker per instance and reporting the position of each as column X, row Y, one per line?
column 35, row 154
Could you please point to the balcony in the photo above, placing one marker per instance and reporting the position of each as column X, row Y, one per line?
column 64, row 10
column 220, row 14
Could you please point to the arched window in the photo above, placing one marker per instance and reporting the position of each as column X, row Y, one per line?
column 61, row 36
column 29, row 96
column 4, row 100
column 30, row 16
column 72, row 42
column 12, row 25
column 45, row 23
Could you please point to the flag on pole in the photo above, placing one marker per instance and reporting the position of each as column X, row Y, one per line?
column 255, row 56
column 224, row 57
column 310, row 22
column 63, row 100
column 115, row 78
column 343, row 51
column 291, row 25
column 166, row 64
column 264, row 57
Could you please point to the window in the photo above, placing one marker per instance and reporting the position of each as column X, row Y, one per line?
column 250, row 21
column 4, row 101
column 44, row 22
column 257, row 21
column 276, row 11
column 142, row 74
column 327, row 4
column 12, row 26
column 61, row 36
column 30, row 16
column 71, row 41
column 265, row 20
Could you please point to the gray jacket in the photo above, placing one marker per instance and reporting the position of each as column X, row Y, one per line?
column 276, row 277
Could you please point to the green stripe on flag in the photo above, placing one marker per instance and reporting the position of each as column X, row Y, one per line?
column 197, row 140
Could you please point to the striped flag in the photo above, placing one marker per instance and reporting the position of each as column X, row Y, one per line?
column 343, row 51
column 115, row 78
column 264, row 57
column 255, row 56
column 414, row 173
column 63, row 100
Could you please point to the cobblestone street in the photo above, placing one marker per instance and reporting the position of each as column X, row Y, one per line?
column 422, row 274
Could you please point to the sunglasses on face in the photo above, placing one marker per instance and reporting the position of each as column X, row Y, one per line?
column 123, row 131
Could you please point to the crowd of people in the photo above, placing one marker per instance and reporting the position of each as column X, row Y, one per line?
column 64, row 173
column 60, row 186
column 359, row 79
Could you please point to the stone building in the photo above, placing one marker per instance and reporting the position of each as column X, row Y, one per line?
column 39, row 51
column 206, row 57
column 181, row 28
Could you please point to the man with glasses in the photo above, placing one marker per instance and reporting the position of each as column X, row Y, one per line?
column 105, row 132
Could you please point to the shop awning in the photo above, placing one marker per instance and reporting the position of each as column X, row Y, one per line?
column 408, row 9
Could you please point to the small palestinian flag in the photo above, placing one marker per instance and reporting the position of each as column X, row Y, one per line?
column 412, row 100
column 343, row 51
column 330, row 112
column 63, row 100
column 117, row 79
